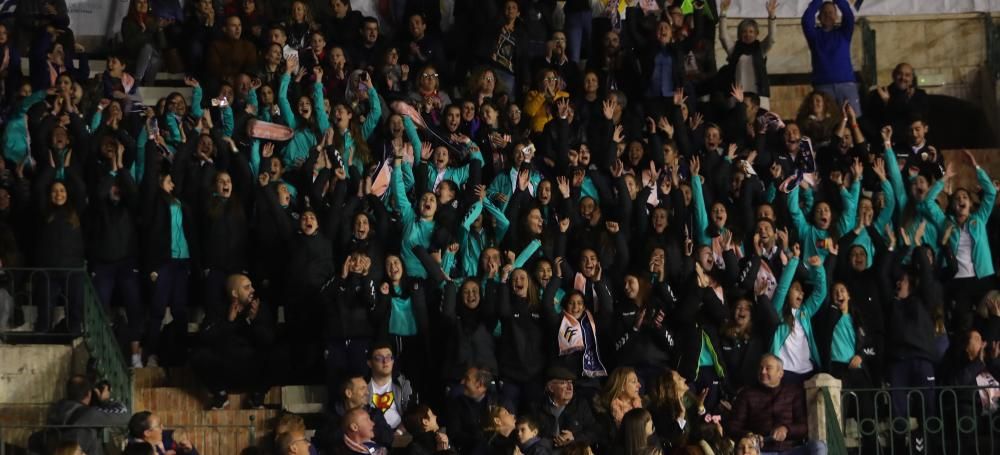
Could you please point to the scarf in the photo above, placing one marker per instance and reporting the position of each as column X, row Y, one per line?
column 766, row 275
column 581, row 335
column 127, row 82
column 366, row 447
column 620, row 407
column 759, row 64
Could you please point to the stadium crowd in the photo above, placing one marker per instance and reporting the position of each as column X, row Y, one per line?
column 497, row 226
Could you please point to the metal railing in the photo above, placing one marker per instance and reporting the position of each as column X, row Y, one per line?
column 105, row 351
column 208, row 439
column 931, row 420
column 869, row 62
column 45, row 290
column 40, row 295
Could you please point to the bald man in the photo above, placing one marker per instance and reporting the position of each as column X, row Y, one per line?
column 359, row 430
column 238, row 347
column 294, row 443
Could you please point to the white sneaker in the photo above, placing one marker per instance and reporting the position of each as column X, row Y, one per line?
column 152, row 362
column 136, row 360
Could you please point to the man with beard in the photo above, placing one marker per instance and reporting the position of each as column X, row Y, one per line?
column 237, row 347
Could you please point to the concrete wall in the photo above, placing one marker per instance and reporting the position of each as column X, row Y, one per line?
column 948, row 52
column 38, row 373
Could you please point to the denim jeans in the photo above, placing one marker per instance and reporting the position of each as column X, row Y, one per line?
column 841, row 92
column 578, row 30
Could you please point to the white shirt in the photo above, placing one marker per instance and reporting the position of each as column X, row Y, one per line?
column 964, row 254
column 391, row 413
column 795, row 351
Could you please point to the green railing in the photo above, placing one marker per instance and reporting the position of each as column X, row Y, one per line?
column 992, row 45
column 208, row 439
column 46, row 289
column 869, row 64
column 938, row 420
column 105, row 351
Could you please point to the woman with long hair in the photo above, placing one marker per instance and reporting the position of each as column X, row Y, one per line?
column 672, row 405
column 794, row 340
column 620, row 395
column 818, row 117
column 498, row 429
column 143, row 40
column 406, row 325
column 540, row 102
column 745, row 337
column 299, row 25
column 968, row 224
column 308, row 120
column 636, row 434
column 520, row 355
column 60, row 242
column 170, row 243
column 350, row 135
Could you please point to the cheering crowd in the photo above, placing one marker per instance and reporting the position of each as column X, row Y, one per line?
column 499, row 226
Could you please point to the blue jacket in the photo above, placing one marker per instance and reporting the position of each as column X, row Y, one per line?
column 831, row 51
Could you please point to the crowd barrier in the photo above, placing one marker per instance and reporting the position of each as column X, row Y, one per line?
column 207, row 439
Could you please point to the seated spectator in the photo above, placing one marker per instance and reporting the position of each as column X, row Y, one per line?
column 897, row 103
column 352, row 396
column 230, row 55
column 464, row 413
column 143, row 40
column 358, row 431
column 79, row 409
column 117, row 84
column 47, row 16
column 635, row 433
column 139, row 448
column 50, row 59
column 238, row 347
column 564, row 418
column 620, row 395
column 499, row 431
column 774, row 409
column 391, row 395
column 428, row 437
column 529, row 441
column 294, row 442
column 145, row 427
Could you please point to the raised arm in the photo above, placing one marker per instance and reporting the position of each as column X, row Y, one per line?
column 286, row 109
column 374, row 114
column 809, row 20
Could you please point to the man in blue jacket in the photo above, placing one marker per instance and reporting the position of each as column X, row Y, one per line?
column 830, row 45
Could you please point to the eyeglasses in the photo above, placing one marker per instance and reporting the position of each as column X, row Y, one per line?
column 488, row 79
column 383, row 358
column 429, row 76
column 551, row 79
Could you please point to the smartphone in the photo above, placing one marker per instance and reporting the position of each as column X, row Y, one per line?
column 154, row 130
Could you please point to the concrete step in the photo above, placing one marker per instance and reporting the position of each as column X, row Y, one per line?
column 304, row 399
